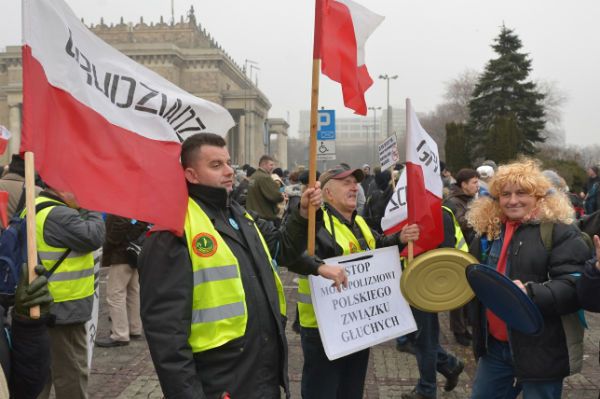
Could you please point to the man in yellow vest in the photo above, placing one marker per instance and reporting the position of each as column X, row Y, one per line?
column 212, row 304
column 342, row 232
column 66, row 232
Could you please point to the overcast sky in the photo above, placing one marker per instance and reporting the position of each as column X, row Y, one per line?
column 425, row 42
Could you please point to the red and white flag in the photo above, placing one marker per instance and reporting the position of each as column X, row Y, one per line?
column 418, row 196
column 102, row 126
column 345, row 28
column 5, row 135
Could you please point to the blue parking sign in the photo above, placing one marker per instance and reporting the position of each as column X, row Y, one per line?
column 326, row 124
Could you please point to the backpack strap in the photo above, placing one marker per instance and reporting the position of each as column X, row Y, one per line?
column 57, row 264
column 21, row 203
column 546, row 229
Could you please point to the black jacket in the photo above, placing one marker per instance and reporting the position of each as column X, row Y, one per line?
column 326, row 247
column 551, row 286
column 588, row 287
column 120, row 232
column 252, row 366
column 458, row 202
column 27, row 365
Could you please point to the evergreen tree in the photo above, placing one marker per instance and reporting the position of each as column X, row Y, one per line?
column 503, row 138
column 456, row 142
column 503, row 90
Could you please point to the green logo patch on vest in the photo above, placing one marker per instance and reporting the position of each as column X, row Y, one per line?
column 353, row 248
column 204, row 245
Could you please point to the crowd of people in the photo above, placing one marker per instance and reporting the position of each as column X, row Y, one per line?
column 212, row 307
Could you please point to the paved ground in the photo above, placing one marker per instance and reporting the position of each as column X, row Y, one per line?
column 127, row 372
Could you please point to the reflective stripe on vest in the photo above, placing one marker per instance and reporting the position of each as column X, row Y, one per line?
column 74, row 278
column 458, row 234
column 349, row 243
column 219, row 312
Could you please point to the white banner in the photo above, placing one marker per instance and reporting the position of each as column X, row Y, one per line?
column 370, row 311
column 124, row 92
column 396, row 211
column 422, row 150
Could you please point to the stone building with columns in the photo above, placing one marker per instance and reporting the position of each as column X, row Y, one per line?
column 188, row 56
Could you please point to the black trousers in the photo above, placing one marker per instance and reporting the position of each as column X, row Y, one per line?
column 342, row 378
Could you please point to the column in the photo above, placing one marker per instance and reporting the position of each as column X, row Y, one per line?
column 14, row 125
column 282, row 150
column 241, row 143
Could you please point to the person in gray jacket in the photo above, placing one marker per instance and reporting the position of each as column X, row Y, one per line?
column 66, row 232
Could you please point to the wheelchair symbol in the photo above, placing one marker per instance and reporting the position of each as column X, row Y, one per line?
column 322, row 148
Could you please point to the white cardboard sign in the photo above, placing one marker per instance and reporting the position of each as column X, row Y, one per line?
column 388, row 153
column 370, row 311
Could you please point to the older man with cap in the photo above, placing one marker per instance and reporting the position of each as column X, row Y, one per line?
column 342, row 232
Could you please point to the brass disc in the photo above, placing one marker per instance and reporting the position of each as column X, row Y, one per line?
column 436, row 282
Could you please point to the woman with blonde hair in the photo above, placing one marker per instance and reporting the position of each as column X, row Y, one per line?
column 510, row 239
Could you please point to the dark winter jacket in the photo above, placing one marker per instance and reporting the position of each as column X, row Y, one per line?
column 551, row 285
column 120, row 232
column 240, row 193
column 592, row 198
column 588, row 287
column 27, row 366
column 247, row 367
column 263, row 195
column 458, row 202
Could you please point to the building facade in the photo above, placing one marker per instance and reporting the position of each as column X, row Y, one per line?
column 189, row 57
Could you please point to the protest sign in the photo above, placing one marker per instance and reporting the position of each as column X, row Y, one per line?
column 369, row 311
column 388, row 153
column 91, row 326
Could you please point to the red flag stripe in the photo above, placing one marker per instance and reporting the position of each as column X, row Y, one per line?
column 424, row 209
column 87, row 153
column 338, row 50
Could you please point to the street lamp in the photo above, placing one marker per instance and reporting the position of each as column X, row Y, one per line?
column 366, row 127
column 374, row 109
column 389, row 109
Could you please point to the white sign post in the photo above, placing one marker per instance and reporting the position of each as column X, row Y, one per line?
column 370, row 311
column 388, row 153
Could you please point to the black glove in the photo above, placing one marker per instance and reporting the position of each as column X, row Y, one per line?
column 34, row 294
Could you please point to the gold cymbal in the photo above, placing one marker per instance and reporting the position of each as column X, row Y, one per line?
column 435, row 281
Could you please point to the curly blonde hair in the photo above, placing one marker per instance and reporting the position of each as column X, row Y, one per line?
column 485, row 215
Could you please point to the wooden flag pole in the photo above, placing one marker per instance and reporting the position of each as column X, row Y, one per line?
column 312, row 148
column 314, row 104
column 34, row 312
column 408, row 129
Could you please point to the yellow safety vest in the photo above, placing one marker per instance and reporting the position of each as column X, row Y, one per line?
column 219, row 312
column 74, row 278
column 458, row 235
column 349, row 243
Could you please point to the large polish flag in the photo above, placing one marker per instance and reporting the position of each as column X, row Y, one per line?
column 418, row 196
column 102, row 126
column 345, row 28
